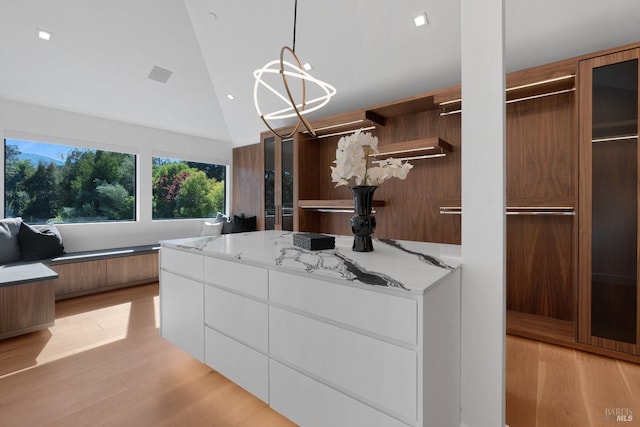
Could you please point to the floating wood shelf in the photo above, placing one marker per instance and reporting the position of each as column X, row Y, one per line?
column 340, row 124
column 539, row 89
column 382, row 112
column 334, row 205
column 343, row 128
column 413, row 150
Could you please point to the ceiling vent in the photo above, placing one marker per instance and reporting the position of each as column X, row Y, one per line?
column 159, row 74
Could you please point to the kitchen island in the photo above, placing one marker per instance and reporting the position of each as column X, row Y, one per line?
column 330, row 337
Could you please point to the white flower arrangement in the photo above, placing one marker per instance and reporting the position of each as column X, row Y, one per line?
column 353, row 164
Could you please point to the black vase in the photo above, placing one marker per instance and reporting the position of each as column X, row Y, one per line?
column 362, row 222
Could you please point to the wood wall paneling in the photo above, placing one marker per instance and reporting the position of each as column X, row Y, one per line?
column 541, row 152
column 248, row 174
column 412, row 206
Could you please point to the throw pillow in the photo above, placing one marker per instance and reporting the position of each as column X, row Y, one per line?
column 9, row 246
column 211, row 228
column 41, row 243
column 227, row 227
column 243, row 224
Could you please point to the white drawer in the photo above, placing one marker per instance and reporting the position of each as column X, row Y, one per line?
column 310, row 403
column 239, row 317
column 239, row 277
column 242, row 365
column 182, row 313
column 388, row 315
column 375, row 370
column 184, row 263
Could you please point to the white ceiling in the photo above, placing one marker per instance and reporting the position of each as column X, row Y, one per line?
column 102, row 51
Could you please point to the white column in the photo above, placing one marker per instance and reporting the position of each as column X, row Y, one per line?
column 483, row 218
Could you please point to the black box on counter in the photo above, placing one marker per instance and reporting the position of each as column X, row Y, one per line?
column 314, row 241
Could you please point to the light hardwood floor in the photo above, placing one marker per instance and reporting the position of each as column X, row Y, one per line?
column 553, row 386
column 104, row 364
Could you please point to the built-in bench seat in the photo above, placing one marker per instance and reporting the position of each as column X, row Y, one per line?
column 82, row 273
column 28, row 290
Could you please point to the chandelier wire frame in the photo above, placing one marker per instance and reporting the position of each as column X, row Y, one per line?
column 288, row 70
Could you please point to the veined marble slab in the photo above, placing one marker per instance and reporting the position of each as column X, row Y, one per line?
column 397, row 265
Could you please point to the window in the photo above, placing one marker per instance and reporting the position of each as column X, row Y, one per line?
column 183, row 189
column 64, row 184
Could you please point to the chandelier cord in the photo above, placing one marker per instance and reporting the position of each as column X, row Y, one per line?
column 295, row 17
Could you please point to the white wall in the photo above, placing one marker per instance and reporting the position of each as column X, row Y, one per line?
column 24, row 121
column 483, row 214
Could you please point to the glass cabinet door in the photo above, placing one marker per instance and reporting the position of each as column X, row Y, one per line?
column 269, row 182
column 286, row 213
column 609, row 203
column 278, row 183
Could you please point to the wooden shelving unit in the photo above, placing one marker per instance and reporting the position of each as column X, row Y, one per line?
column 538, row 89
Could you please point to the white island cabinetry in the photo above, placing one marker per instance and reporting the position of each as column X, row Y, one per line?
column 236, row 324
column 181, row 305
column 329, row 337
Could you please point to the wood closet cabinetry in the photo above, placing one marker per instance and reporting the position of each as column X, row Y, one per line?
column 541, row 198
column 572, row 193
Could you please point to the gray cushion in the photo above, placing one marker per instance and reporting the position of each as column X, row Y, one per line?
column 9, row 246
column 40, row 243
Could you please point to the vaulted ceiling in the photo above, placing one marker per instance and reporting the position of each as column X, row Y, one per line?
column 101, row 52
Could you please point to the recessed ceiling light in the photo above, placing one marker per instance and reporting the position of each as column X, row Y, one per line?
column 420, row 20
column 43, row 35
column 230, row 97
column 307, row 66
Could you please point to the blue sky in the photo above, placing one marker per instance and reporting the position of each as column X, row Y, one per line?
column 48, row 150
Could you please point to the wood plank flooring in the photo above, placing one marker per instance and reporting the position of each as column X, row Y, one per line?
column 553, row 386
column 104, row 364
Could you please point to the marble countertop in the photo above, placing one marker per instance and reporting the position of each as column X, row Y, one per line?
column 394, row 265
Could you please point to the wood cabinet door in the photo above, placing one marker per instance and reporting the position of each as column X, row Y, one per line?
column 134, row 269
column 608, row 251
column 539, row 266
column 76, row 278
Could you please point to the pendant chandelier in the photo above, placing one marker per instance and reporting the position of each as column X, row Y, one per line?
column 291, row 70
